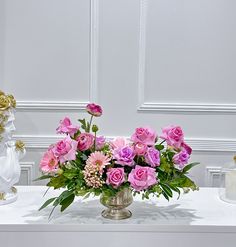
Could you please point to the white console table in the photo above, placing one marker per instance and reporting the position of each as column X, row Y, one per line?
column 196, row 219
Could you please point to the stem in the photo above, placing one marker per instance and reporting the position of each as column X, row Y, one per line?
column 162, row 142
column 90, row 122
column 95, row 134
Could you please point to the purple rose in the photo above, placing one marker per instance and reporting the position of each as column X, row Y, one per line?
column 66, row 127
column 115, row 176
column 65, row 150
column 152, row 157
column 181, row 159
column 173, row 135
column 124, row 156
column 186, row 147
column 145, row 135
column 142, row 177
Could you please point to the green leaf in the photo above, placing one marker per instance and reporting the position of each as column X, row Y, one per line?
column 165, row 195
column 167, row 190
column 42, row 177
column 159, row 147
column 57, row 182
column 190, row 166
column 67, row 201
column 49, row 201
column 175, row 189
column 70, row 173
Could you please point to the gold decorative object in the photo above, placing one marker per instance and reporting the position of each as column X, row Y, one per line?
column 117, row 205
column 20, row 146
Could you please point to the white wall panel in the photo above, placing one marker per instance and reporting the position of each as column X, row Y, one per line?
column 1, row 40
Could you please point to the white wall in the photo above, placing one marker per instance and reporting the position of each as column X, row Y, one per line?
column 147, row 62
column 1, row 39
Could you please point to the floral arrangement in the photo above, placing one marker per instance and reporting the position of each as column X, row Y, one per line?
column 84, row 163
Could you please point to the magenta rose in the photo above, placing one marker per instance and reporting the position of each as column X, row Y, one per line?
column 66, row 127
column 100, row 142
column 173, row 135
column 152, row 157
column 142, row 177
column 93, row 109
column 49, row 162
column 181, row 159
column 115, row 176
column 186, row 147
column 124, row 156
column 85, row 141
column 140, row 148
column 65, row 150
column 145, row 135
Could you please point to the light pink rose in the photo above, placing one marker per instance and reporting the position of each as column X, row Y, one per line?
column 118, row 143
column 100, row 142
column 173, row 135
column 140, row 148
column 186, row 147
column 145, row 135
column 66, row 127
column 142, row 177
column 65, row 150
column 94, row 109
column 115, row 177
column 181, row 159
column 85, row 141
column 49, row 162
column 152, row 157
column 124, row 156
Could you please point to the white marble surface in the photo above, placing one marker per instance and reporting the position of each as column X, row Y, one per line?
column 197, row 218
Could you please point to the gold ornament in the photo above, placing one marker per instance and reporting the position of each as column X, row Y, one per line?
column 20, row 146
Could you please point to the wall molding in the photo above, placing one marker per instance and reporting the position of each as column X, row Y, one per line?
column 47, row 105
column 213, row 176
column 28, row 168
column 198, row 144
column 144, row 106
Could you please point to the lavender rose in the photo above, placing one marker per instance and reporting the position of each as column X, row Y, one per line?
column 145, row 135
column 124, row 156
column 142, row 177
column 181, row 159
column 115, row 177
column 152, row 157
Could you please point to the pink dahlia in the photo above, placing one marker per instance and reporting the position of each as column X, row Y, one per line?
column 98, row 159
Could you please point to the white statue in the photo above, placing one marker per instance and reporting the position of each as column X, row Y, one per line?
column 10, row 151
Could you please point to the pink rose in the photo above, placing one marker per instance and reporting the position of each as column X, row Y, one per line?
column 186, row 147
column 49, row 162
column 124, row 156
column 100, row 142
column 152, row 157
column 65, row 150
column 142, row 177
column 94, row 109
column 85, row 141
column 119, row 143
column 173, row 135
column 144, row 135
column 66, row 127
column 140, row 148
column 115, row 176
column 181, row 159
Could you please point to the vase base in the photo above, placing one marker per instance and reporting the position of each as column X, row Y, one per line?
column 116, row 214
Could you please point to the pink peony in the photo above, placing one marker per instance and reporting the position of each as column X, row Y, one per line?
column 145, row 135
column 173, row 135
column 115, row 177
column 49, row 162
column 118, row 143
column 152, row 157
column 142, row 177
column 186, row 147
column 85, row 141
column 98, row 159
column 124, row 156
column 100, row 142
column 140, row 148
column 181, row 159
column 66, row 127
column 94, row 109
column 65, row 150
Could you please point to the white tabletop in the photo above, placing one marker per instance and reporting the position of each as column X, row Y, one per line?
column 197, row 215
